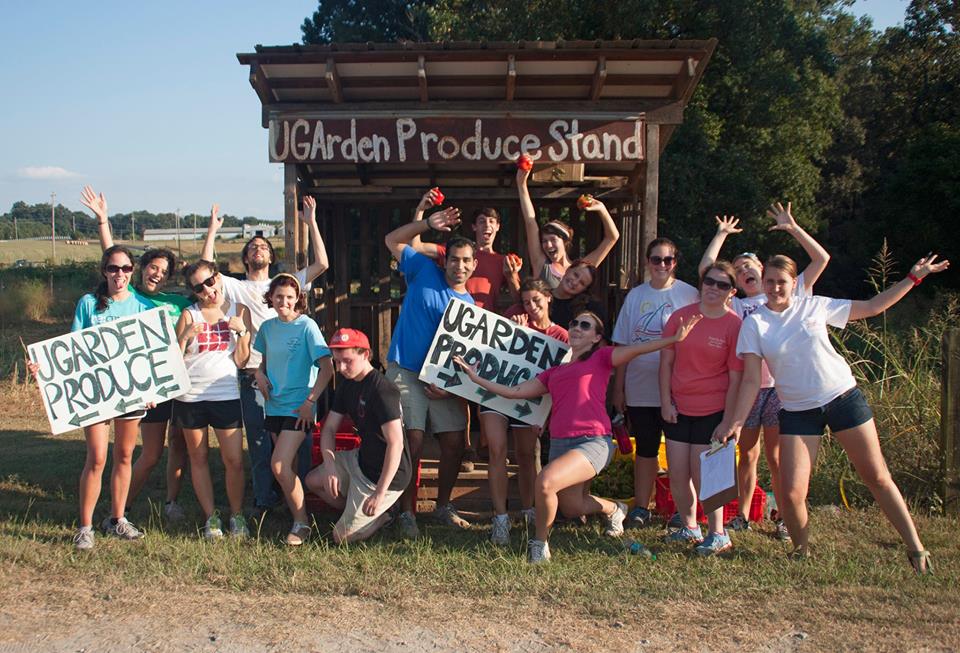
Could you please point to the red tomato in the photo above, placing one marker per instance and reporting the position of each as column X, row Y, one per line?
column 525, row 162
column 584, row 201
column 438, row 200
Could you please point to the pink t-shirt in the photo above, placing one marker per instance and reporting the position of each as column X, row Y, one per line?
column 579, row 393
column 702, row 361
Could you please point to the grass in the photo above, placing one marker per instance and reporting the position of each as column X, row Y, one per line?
column 39, row 252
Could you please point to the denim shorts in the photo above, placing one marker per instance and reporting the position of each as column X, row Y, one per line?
column 597, row 449
column 847, row 411
column 765, row 411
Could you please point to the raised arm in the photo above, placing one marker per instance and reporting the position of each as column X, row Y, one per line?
column 860, row 309
column 527, row 390
column 98, row 204
column 427, row 201
column 537, row 258
column 320, row 261
column 610, row 233
column 819, row 257
column 400, row 237
column 625, row 353
column 726, row 226
column 206, row 253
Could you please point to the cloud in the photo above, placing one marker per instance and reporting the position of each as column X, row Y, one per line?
column 46, row 172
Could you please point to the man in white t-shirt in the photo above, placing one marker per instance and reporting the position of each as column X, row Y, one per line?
column 257, row 257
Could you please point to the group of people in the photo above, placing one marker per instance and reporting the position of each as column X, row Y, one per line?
column 700, row 365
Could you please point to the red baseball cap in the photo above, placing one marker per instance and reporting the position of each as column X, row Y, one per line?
column 348, row 339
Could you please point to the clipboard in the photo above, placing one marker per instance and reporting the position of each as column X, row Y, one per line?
column 718, row 476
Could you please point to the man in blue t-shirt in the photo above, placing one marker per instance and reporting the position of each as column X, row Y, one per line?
column 429, row 289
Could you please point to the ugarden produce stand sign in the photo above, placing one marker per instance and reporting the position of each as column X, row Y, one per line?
column 106, row 370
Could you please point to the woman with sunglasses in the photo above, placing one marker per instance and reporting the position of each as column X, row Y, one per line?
column 156, row 266
column 214, row 336
column 113, row 299
column 581, row 444
column 818, row 390
column 549, row 246
column 699, row 379
column 636, row 388
column 766, row 408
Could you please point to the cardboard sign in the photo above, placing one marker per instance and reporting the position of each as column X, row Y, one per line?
column 503, row 351
column 106, row 370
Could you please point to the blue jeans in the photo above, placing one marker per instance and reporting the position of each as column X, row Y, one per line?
column 266, row 491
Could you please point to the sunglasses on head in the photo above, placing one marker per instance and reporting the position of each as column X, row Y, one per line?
column 583, row 324
column 721, row 285
column 663, row 260
column 113, row 269
column 208, row 282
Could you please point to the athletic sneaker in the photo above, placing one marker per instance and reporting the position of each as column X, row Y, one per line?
column 638, row 517
column 122, row 529
column 782, row 533
column 685, row 535
column 500, row 533
column 173, row 511
column 299, row 534
column 530, row 517
column 83, row 539
column 615, row 520
column 538, row 552
column 407, row 523
column 738, row 523
column 238, row 527
column 714, row 544
column 448, row 515
column 213, row 529
column 675, row 521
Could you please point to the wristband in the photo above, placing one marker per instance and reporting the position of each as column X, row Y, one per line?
column 240, row 334
column 914, row 278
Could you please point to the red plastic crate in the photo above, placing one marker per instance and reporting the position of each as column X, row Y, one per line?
column 666, row 507
column 346, row 439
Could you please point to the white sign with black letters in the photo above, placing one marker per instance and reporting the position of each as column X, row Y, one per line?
column 503, row 351
column 106, row 370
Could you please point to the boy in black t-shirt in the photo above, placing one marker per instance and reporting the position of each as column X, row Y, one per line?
column 366, row 481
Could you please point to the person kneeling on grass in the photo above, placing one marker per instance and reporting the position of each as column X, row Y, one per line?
column 292, row 348
column 365, row 482
column 581, row 445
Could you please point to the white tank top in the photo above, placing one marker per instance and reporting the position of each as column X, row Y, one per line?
column 209, row 359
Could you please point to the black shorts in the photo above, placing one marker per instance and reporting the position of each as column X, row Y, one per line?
column 277, row 423
column 693, row 430
column 646, row 425
column 159, row 413
column 847, row 411
column 201, row 414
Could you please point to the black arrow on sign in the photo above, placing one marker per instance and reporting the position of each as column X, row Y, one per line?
column 124, row 405
column 76, row 420
column 523, row 409
column 450, row 380
column 169, row 390
column 485, row 394
column 536, row 400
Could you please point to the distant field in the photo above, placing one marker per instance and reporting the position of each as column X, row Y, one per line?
column 39, row 251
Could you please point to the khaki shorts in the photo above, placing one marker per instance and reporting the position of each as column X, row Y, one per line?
column 357, row 488
column 444, row 415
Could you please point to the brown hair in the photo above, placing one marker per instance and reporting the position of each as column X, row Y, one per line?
column 193, row 268
column 100, row 293
column 781, row 262
column 488, row 212
column 284, row 279
column 560, row 229
column 598, row 328
column 722, row 266
column 656, row 242
column 533, row 284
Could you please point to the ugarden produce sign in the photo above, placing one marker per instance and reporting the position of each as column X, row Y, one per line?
column 502, row 350
column 109, row 369
column 431, row 140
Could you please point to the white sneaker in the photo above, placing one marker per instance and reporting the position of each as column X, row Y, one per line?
column 83, row 539
column 538, row 552
column 213, row 529
column 500, row 533
column 173, row 511
column 238, row 527
column 407, row 523
column 615, row 521
column 448, row 515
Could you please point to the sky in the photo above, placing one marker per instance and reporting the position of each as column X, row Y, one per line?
column 146, row 102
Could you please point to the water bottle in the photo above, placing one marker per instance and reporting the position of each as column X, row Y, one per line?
column 637, row 549
column 620, row 434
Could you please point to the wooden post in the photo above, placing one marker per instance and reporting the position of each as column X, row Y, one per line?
column 651, row 191
column 950, row 421
column 291, row 235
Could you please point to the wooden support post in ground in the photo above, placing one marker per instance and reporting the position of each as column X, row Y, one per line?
column 950, row 421
column 651, row 192
column 291, row 235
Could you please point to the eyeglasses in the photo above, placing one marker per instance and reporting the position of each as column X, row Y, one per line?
column 662, row 260
column 721, row 285
column 583, row 324
column 208, row 283
column 113, row 269
column 747, row 255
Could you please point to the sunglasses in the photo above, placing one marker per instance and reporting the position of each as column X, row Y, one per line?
column 113, row 269
column 583, row 324
column 208, row 283
column 747, row 255
column 663, row 260
column 721, row 285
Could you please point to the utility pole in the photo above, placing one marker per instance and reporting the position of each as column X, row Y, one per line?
column 16, row 231
column 133, row 227
column 179, row 248
column 53, row 226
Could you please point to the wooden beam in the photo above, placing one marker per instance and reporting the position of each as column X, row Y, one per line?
column 446, row 81
column 511, row 77
column 332, row 81
column 492, row 193
column 599, row 77
column 950, row 421
column 651, row 192
column 422, row 80
column 291, row 234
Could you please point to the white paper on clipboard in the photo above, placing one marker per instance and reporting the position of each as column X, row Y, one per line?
column 718, row 476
